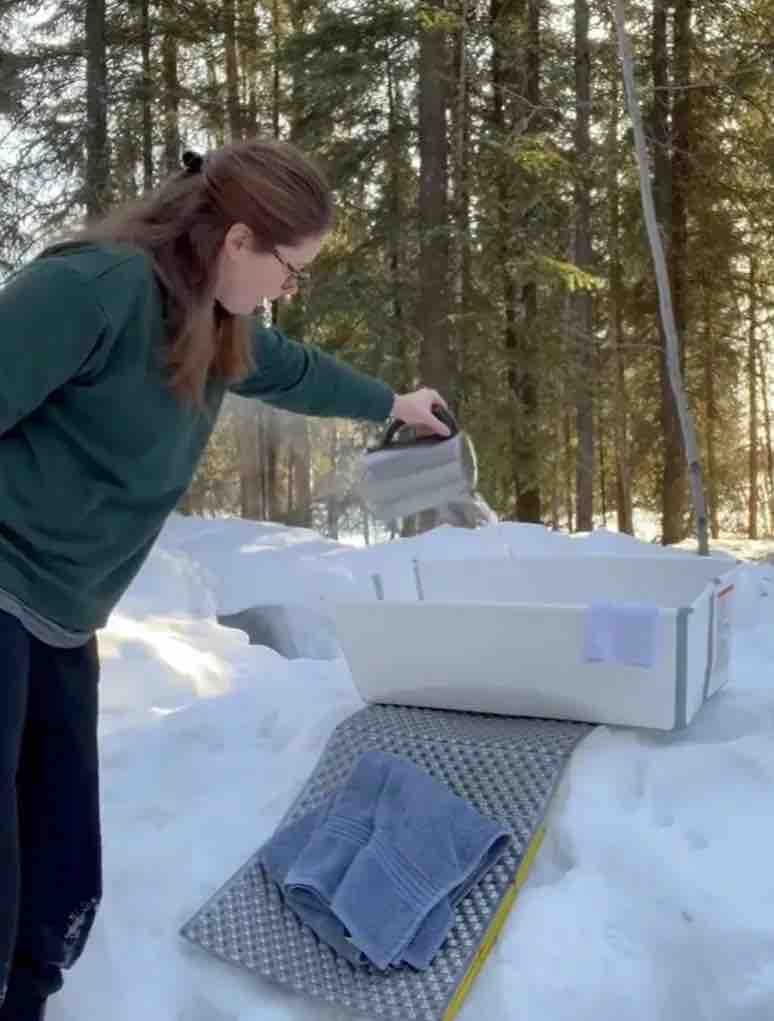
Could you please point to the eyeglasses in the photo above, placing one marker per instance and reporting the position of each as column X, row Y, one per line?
column 295, row 277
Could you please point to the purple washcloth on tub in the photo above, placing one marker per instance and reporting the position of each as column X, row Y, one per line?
column 625, row 633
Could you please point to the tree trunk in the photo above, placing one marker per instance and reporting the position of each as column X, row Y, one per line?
column 763, row 359
column 711, row 410
column 171, row 88
column 409, row 526
column 303, row 475
column 582, row 257
column 270, row 438
column 407, row 374
column 366, row 525
column 569, row 489
column 332, row 502
column 250, row 41
column 97, row 182
column 752, row 382
column 147, row 96
column 503, row 82
column 681, row 168
column 232, row 71
column 276, row 38
column 672, row 492
column 556, row 475
column 515, row 103
column 396, row 228
column 273, row 459
column 248, row 449
column 290, row 504
column 667, row 318
column 127, row 155
column 681, row 165
column 433, row 316
column 217, row 127
column 600, row 433
column 269, row 459
column 615, row 332
column 435, row 365
column 461, row 269
column 524, row 379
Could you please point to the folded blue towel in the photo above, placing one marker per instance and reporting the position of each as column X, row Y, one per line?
column 377, row 870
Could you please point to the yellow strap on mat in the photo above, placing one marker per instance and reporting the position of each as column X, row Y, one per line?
column 495, row 926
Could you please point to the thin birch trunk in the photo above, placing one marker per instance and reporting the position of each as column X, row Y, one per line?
column 662, row 277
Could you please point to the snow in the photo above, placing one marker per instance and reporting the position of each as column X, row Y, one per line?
column 652, row 897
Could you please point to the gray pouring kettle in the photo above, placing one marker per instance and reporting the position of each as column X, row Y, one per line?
column 407, row 473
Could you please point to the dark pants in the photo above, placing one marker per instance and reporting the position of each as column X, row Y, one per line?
column 50, row 860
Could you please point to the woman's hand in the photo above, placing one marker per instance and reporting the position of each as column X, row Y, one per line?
column 417, row 409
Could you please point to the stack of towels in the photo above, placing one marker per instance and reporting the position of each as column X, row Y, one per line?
column 377, row 870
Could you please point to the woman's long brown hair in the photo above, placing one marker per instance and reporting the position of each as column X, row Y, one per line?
column 269, row 186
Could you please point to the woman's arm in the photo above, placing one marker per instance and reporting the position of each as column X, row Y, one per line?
column 302, row 378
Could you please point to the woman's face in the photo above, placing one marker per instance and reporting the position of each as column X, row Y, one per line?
column 246, row 277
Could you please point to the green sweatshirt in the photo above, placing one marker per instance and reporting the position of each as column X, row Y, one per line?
column 95, row 449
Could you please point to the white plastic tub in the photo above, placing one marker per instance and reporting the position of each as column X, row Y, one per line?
column 508, row 636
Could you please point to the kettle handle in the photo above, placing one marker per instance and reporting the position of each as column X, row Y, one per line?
column 441, row 413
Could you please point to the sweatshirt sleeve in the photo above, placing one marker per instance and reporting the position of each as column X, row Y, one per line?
column 302, row 378
column 49, row 325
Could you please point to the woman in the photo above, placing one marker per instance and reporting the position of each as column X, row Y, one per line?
column 116, row 350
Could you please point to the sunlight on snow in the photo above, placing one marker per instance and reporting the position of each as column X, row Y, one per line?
column 209, row 675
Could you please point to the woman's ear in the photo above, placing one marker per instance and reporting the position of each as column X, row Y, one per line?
column 238, row 239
